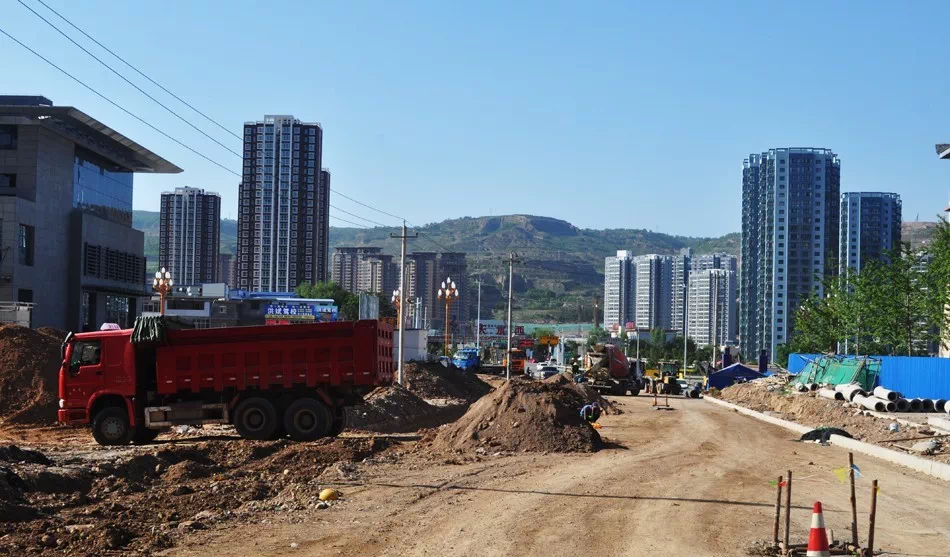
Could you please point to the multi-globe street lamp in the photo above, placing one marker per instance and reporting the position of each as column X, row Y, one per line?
column 450, row 294
column 162, row 284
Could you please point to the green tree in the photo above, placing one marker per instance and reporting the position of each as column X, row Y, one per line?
column 656, row 349
column 543, row 332
column 597, row 335
column 347, row 302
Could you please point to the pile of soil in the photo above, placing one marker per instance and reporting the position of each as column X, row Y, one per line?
column 585, row 390
column 522, row 415
column 391, row 409
column 811, row 410
column 435, row 381
column 29, row 374
column 146, row 501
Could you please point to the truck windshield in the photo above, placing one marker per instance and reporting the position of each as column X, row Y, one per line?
column 462, row 355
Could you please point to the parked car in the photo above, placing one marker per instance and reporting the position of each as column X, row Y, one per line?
column 684, row 385
column 544, row 372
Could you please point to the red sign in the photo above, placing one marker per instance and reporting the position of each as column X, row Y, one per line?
column 526, row 343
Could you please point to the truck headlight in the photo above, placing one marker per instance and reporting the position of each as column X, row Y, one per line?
column 62, row 403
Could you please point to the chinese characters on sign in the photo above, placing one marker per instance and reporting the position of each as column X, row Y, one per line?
column 496, row 329
column 280, row 313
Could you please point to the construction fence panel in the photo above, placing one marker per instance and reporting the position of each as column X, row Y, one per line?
column 797, row 362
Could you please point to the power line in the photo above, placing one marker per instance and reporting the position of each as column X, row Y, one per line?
column 368, row 206
column 349, row 222
column 137, row 88
column 115, row 104
column 159, row 85
column 357, row 216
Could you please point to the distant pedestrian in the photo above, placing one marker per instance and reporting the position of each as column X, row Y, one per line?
column 591, row 412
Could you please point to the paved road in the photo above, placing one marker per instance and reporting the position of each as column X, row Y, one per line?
column 693, row 481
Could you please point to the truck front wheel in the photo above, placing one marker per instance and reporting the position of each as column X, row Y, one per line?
column 307, row 419
column 111, row 426
column 255, row 418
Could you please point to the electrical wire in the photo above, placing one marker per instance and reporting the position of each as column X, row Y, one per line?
column 115, row 104
column 137, row 88
column 357, row 216
column 368, row 206
column 349, row 222
column 129, row 64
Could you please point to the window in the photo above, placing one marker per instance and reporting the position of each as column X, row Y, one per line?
column 86, row 353
column 7, row 180
column 25, row 240
column 24, row 295
column 8, row 137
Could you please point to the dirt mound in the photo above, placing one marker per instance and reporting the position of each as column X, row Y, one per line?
column 29, row 374
column 433, row 380
column 391, row 410
column 523, row 415
column 585, row 390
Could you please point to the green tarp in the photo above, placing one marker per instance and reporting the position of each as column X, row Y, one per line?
column 837, row 370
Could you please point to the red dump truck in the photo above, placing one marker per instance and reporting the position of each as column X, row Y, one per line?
column 268, row 381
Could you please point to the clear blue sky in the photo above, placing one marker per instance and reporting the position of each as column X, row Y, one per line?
column 626, row 114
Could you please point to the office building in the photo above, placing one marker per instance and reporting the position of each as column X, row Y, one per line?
column 619, row 290
column 791, row 201
column 378, row 274
column 870, row 228
column 67, row 247
column 654, row 297
column 680, row 277
column 227, row 269
column 712, row 308
column 189, row 234
column 283, row 214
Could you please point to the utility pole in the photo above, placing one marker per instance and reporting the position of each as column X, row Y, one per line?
column 478, row 319
column 596, row 307
column 512, row 259
column 402, row 300
column 685, row 336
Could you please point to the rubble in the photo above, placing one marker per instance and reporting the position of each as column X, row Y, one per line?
column 29, row 374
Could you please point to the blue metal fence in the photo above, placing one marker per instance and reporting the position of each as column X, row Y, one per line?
column 915, row 377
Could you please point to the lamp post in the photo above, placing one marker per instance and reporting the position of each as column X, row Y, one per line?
column 395, row 300
column 162, row 284
column 450, row 294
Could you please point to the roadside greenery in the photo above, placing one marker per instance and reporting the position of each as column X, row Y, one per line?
column 892, row 307
column 348, row 303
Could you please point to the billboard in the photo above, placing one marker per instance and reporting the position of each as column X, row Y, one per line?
column 493, row 329
column 288, row 311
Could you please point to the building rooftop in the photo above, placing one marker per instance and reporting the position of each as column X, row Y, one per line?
column 86, row 130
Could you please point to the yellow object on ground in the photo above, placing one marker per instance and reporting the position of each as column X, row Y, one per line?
column 596, row 425
column 329, row 495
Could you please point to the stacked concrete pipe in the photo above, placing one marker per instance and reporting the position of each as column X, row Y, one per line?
column 871, row 403
column 828, row 393
column 940, row 405
column 915, row 404
column 926, row 405
column 886, row 394
column 903, row 405
column 850, row 391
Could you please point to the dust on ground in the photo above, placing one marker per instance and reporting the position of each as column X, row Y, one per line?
column 521, row 416
column 29, row 374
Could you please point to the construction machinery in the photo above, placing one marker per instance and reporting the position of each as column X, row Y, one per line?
column 518, row 359
column 608, row 371
column 663, row 378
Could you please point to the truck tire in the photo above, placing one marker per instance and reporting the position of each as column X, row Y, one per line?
column 255, row 418
column 307, row 419
column 144, row 435
column 339, row 423
column 634, row 389
column 618, row 389
column 111, row 426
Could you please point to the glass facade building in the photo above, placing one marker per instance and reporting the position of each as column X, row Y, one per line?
column 101, row 188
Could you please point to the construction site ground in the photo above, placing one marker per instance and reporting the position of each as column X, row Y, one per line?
column 690, row 481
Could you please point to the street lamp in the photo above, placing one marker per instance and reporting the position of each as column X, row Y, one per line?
column 450, row 294
column 163, row 285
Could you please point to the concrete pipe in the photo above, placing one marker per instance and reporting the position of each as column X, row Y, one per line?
column 802, row 388
column 915, row 404
column 828, row 393
column 886, row 394
column 888, row 405
column 940, row 405
column 927, row 405
column 903, row 405
column 813, row 386
column 852, row 390
column 871, row 403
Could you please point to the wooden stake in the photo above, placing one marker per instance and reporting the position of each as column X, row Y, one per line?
column 870, row 550
column 778, row 511
column 788, row 507
column 854, row 502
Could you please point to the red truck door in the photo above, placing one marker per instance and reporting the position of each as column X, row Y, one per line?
column 85, row 369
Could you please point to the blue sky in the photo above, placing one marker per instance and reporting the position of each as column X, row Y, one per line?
column 608, row 115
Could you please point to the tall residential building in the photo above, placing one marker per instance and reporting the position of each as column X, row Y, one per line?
column 189, row 234
column 422, row 280
column 715, row 261
column 284, row 195
column 345, row 265
column 378, row 274
column 680, row 277
column 712, row 307
column 453, row 265
column 67, row 245
column 620, row 288
column 870, row 228
column 791, row 199
column 654, row 283
column 226, row 269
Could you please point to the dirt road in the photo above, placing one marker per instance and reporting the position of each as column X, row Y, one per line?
column 692, row 481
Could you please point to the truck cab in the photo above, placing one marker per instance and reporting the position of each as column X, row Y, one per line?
column 466, row 359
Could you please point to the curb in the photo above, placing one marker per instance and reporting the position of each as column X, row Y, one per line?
column 930, row 467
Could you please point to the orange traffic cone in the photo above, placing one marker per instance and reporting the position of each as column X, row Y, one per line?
column 818, row 537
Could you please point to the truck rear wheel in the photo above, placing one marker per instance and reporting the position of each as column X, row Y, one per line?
column 256, row 418
column 144, row 435
column 111, row 426
column 339, row 423
column 634, row 389
column 307, row 419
